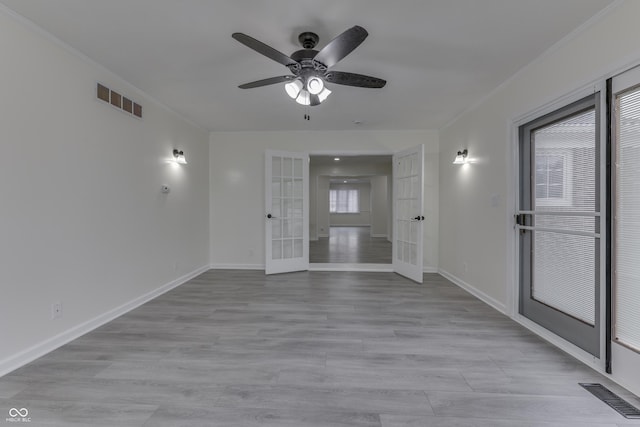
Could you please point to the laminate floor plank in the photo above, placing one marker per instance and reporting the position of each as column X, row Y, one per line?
column 433, row 421
column 310, row 349
column 524, row 407
column 350, row 245
column 52, row 413
column 382, row 379
column 181, row 416
column 12, row 386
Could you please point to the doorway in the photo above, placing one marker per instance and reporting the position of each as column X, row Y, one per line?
column 350, row 209
column 559, row 222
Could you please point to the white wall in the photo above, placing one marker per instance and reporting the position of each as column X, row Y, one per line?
column 474, row 232
column 380, row 207
column 82, row 218
column 364, row 203
column 237, row 184
column 319, row 207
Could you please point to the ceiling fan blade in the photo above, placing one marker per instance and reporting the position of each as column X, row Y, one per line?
column 341, row 46
column 266, row 82
column 264, row 49
column 352, row 79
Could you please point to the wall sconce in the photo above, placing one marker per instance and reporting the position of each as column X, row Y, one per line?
column 179, row 157
column 461, row 157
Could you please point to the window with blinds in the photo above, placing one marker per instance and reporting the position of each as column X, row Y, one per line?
column 550, row 176
column 626, row 219
column 344, row 201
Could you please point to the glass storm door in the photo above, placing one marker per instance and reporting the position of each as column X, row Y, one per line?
column 408, row 216
column 287, row 212
column 559, row 222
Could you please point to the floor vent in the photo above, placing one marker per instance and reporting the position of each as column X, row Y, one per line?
column 623, row 407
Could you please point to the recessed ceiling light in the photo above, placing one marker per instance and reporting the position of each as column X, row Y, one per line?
column 357, row 122
column 345, row 181
column 337, row 159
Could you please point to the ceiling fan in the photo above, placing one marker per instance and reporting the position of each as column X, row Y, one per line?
column 310, row 68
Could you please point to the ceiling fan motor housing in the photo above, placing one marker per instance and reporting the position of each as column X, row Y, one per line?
column 308, row 40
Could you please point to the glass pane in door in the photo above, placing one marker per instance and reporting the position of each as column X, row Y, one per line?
column 564, row 267
column 627, row 220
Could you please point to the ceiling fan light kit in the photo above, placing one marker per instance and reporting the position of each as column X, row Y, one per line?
column 311, row 69
column 303, row 98
column 315, row 85
column 294, row 87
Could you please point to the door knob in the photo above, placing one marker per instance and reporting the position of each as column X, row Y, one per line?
column 419, row 218
column 270, row 216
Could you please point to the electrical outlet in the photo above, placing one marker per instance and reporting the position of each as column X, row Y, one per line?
column 56, row 310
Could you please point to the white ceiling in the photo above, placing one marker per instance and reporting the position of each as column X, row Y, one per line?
column 438, row 56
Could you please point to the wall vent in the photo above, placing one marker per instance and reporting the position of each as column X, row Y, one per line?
column 118, row 100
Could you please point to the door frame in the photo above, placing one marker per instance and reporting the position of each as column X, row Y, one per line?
column 580, row 332
column 513, row 196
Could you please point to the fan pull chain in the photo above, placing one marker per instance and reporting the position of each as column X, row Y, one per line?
column 307, row 116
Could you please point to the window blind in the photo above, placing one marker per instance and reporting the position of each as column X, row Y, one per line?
column 344, row 201
column 627, row 223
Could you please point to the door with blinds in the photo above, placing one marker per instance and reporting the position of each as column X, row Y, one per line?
column 625, row 236
column 559, row 222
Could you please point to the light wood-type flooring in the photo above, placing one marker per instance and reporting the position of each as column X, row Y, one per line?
column 352, row 245
column 321, row 349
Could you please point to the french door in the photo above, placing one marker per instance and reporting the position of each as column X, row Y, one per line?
column 286, row 211
column 559, row 222
column 408, row 219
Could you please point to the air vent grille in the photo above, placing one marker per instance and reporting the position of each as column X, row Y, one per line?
column 623, row 407
column 119, row 101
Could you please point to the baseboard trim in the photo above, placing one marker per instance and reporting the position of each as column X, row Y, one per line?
column 323, row 235
column 502, row 308
column 386, row 268
column 34, row 352
column 379, row 235
column 237, row 266
column 429, row 269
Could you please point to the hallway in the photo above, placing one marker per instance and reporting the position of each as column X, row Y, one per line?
column 353, row 245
